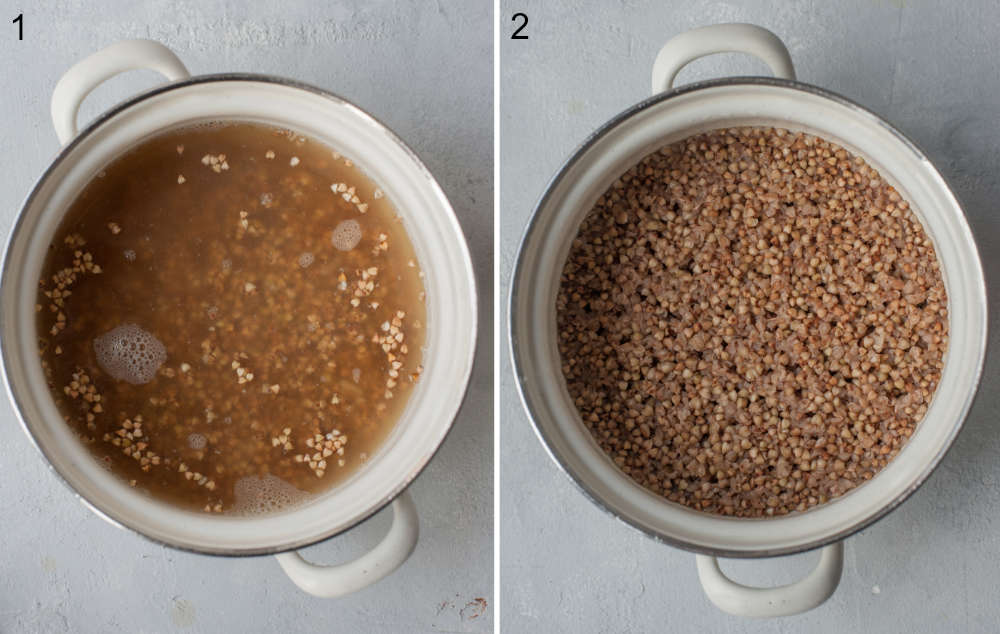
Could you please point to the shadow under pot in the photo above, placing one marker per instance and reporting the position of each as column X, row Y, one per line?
column 672, row 115
column 438, row 244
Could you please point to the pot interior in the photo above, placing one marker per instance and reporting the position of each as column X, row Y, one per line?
column 624, row 142
column 429, row 222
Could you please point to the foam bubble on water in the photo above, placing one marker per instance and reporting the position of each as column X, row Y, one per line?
column 197, row 441
column 129, row 255
column 129, row 353
column 346, row 235
column 306, row 259
column 212, row 124
column 257, row 495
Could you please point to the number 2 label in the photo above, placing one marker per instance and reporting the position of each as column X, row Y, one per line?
column 524, row 23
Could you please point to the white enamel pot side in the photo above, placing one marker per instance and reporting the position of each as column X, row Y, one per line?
column 429, row 221
column 675, row 114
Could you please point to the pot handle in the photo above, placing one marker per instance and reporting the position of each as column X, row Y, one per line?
column 90, row 72
column 794, row 598
column 683, row 49
column 335, row 581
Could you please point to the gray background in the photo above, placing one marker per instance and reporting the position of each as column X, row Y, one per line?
column 930, row 68
column 425, row 69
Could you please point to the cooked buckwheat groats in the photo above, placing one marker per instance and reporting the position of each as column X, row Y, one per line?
column 752, row 322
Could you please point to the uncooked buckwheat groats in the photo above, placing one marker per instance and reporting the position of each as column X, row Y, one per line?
column 231, row 317
column 752, row 322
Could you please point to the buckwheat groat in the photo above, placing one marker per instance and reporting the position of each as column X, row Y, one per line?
column 752, row 322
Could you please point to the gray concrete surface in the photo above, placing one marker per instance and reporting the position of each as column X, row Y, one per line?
column 425, row 69
column 930, row 68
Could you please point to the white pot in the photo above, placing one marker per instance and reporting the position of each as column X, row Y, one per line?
column 432, row 228
column 672, row 115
